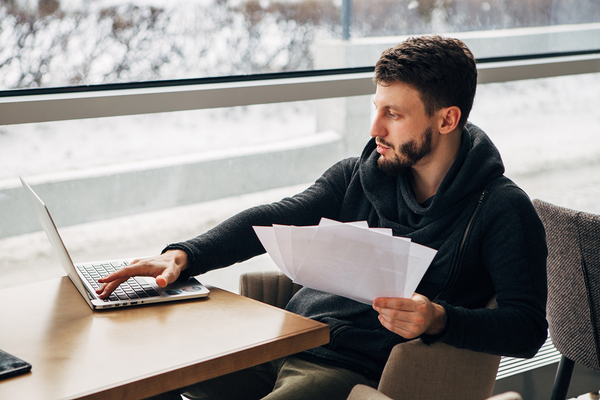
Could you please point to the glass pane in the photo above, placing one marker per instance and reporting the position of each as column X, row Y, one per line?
column 153, row 166
column 55, row 43
column 55, row 147
column 402, row 17
column 127, row 186
column 547, row 133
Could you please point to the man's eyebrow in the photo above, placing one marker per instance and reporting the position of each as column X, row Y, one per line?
column 388, row 106
column 375, row 104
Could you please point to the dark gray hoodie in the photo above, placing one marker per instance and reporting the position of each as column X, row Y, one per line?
column 504, row 253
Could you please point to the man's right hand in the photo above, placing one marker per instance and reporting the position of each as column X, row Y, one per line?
column 166, row 268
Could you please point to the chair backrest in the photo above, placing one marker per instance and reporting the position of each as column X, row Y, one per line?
column 573, row 267
column 270, row 287
column 416, row 370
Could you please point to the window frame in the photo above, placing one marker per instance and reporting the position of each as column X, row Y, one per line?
column 60, row 104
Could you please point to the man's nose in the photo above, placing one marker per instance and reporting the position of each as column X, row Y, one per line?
column 376, row 128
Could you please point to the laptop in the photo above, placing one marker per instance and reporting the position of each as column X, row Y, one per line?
column 135, row 291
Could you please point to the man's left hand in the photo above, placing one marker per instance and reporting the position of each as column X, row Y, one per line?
column 412, row 317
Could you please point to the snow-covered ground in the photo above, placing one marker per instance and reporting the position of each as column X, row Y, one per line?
column 547, row 131
column 538, row 125
column 69, row 145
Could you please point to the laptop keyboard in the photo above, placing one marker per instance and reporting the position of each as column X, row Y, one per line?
column 133, row 288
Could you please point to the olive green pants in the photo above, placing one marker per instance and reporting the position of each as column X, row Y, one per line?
column 290, row 378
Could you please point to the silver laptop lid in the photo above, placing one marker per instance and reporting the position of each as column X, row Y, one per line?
column 57, row 244
column 175, row 291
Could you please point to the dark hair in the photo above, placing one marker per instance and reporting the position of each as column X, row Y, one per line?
column 442, row 69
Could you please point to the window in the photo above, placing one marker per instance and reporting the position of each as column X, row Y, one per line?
column 545, row 130
column 56, row 43
column 133, row 119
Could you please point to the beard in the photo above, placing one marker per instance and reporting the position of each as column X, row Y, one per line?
column 407, row 155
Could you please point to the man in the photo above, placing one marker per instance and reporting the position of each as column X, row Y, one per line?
column 429, row 175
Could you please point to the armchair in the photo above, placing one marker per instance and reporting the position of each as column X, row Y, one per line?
column 573, row 308
column 414, row 370
column 362, row 392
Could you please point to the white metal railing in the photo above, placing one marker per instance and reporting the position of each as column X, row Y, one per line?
column 547, row 355
column 110, row 103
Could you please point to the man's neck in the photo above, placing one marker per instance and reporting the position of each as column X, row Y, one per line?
column 429, row 174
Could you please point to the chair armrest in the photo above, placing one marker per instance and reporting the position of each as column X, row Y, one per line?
column 507, row 396
column 364, row 392
column 271, row 287
column 415, row 370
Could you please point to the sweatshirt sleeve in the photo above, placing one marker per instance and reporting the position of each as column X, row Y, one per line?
column 234, row 240
column 513, row 251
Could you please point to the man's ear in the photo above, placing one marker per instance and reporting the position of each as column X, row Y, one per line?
column 449, row 119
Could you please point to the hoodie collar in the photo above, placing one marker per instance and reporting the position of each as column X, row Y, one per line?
column 478, row 162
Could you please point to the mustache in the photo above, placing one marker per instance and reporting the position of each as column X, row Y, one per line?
column 384, row 143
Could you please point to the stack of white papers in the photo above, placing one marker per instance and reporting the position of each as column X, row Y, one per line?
column 347, row 259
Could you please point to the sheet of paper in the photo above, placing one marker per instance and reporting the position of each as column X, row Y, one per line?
column 348, row 259
column 332, row 262
column 355, row 262
column 302, row 237
column 332, row 222
column 266, row 235
column 419, row 260
column 283, row 236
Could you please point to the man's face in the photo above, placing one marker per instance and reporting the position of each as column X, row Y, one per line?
column 402, row 129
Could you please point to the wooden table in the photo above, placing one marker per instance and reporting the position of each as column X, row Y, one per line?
column 133, row 353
